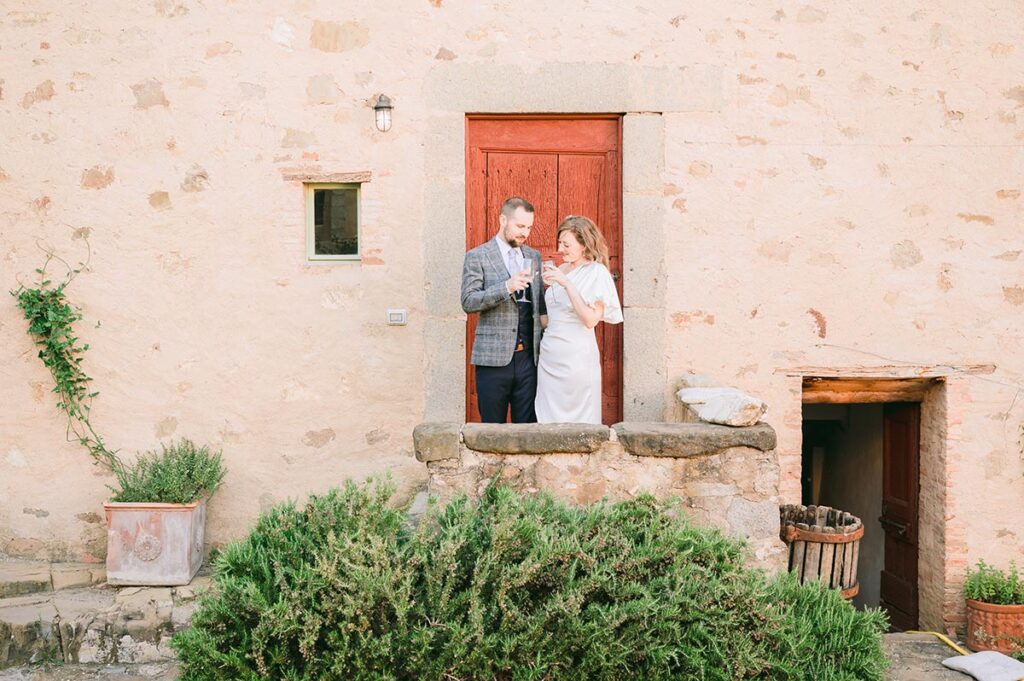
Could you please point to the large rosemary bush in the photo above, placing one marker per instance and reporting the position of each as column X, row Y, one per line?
column 511, row 588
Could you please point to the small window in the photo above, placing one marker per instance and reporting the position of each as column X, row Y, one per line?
column 332, row 221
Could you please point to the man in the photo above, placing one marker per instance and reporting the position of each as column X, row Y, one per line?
column 501, row 280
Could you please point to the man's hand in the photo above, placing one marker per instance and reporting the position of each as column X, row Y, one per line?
column 518, row 282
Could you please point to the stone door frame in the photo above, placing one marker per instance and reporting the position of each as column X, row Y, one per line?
column 941, row 542
column 641, row 95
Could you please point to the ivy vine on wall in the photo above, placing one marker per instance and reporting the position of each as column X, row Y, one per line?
column 51, row 323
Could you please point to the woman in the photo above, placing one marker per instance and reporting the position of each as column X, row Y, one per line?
column 580, row 294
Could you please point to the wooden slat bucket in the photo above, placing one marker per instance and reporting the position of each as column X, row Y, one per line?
column 824, row 544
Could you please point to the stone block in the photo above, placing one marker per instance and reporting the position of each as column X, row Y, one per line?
column 447, row 485
column 702, row 489
column 645, row 277
column 446, row 247
column 690, row 439
column 189, row 592
column 643, row 152
column 534, row 438
column 181, row 616
column 436, row 441
column 21, row 578
column 756, row 521
column 643, row 358
column 580, row 87
column 27, row 631
column 75, row 575
column 444, row 379
column 725, row 406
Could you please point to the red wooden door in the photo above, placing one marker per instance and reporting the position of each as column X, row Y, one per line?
column 563, row 165
column 900, row 487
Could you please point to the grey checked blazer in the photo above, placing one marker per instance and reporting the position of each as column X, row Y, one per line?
column 483, row 290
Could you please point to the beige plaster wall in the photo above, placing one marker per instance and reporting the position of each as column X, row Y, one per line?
column 857, row 203
column 839, row 185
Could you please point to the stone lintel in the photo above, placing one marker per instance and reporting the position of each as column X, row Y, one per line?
column 535, row 438
column 691, row 439
column 319, row 177
column 436, row 441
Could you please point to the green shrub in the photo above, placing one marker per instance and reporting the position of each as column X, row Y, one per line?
column 180, row 474
column 512, row 588
column 991, row 585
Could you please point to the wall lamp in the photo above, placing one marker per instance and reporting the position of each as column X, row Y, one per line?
column 382, row 113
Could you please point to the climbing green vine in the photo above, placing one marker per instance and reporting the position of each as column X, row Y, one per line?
column 51, row 323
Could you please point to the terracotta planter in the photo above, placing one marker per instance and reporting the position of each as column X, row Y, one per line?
column 995, row 627
column 154, row 544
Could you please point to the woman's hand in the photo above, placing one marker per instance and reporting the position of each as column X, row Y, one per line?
column 553, row 275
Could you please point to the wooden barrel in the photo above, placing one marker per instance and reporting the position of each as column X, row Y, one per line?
column 824, row 544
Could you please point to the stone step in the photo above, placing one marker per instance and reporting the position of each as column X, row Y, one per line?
column 20, row 578
column 95, row 625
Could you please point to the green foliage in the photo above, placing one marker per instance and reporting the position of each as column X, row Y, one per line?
column 511, row 588
column 51, row 319
column 180, row 474
column 989, row 584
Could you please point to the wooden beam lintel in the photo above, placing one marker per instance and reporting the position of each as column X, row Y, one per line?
column 859, row 397
column 318, row 177
column 893, row 371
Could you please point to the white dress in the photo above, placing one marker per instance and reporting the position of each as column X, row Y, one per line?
column 569, row 369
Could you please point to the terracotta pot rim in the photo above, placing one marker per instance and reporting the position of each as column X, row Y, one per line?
column 147, row 505
column 993, row 607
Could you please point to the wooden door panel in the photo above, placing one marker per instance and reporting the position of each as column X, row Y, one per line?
column 899, row 520
column 532, row 176
column 545, row 133
column 562, row 166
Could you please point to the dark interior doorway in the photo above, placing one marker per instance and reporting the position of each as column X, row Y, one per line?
column 863, row 458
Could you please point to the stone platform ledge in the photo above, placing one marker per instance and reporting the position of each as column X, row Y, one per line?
column 681, row 440
column 440, row 441
column 23, row 577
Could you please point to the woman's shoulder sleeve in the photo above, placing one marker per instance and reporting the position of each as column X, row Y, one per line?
column 601, row 287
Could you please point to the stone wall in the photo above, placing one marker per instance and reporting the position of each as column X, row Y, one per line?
column 727, row 478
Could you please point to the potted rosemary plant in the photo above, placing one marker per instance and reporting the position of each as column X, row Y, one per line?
column 995, row 608
column 156, row 519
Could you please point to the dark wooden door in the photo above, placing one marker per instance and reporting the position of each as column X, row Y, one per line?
column 563, row 165
column 900, row 486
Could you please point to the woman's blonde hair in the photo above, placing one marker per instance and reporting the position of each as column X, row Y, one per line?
column 585, row 231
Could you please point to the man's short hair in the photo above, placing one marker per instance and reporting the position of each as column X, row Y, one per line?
column 508, row 207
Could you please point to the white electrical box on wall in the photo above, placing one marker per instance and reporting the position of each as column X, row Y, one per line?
column 397, row 316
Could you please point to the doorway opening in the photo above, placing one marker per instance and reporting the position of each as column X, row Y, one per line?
column 563, row 165
column 862, row 453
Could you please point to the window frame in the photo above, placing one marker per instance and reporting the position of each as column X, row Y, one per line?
column 311, row 254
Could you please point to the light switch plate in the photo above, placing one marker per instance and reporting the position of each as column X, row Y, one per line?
column 397, row 316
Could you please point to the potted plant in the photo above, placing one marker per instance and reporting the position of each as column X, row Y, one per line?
column 995, row 608
column 156, row 519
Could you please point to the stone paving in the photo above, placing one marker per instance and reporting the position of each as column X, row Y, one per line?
column 918, row 657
